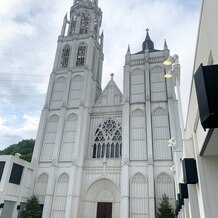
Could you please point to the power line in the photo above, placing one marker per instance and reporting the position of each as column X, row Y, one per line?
column 23, row 68
column 26, row 81
column 13, row 74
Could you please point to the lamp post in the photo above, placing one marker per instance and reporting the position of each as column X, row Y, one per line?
column 174, row 73
column 172, row 63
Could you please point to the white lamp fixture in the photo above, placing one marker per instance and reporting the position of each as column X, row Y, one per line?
column 172, row 142
column 171, row 60
column 169, row 74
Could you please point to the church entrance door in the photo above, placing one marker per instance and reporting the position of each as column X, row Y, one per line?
column 104, row 210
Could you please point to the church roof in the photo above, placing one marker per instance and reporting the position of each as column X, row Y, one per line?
column 111, row 95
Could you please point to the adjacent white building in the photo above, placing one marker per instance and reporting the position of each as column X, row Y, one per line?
column 105, row 153
column 16, row 185
column 200, row 144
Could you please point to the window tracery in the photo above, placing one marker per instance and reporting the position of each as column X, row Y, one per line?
column 81, row 55
column 65, row 56
column 108, row 140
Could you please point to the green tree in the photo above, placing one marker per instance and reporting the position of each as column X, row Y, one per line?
column 165, row 209
column 24, row 147
column 32, row 208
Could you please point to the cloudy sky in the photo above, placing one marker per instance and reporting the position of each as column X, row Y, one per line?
column 29, row 31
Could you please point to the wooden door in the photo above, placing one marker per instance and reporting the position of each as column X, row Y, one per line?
column 104, row 210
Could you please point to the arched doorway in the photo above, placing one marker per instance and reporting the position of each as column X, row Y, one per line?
column 101, row 200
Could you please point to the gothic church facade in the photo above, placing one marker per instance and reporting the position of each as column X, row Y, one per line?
column 105, row 153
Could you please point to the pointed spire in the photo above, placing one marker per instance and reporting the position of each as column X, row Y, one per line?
column 102, row 34
column 102, row 40
column 65, row 16
column 63, row 30
column 147, row 35
column 148, row 43
column 128, row 50
column 165, row 45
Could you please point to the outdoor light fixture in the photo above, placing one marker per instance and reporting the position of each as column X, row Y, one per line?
column 169, row 74
column 172, row 142
column 171, row 60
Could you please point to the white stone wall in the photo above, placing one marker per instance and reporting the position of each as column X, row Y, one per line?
column 15, row 194
column 203, row 196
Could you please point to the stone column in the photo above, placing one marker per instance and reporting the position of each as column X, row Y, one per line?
column 124, row 206
column 150, row 158
column 49, row 192
column 80, row 146
column 69, row 209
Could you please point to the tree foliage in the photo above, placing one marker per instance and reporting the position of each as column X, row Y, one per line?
column 32, row 208
column 165, row 209
column 25, row 148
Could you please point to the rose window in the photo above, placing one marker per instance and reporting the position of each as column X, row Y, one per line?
column 108, row 140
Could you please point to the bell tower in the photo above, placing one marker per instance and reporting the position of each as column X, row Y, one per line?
column 74, row 86
column 80, row 50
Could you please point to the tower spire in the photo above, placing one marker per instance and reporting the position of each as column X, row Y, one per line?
column 128, row 49
column 165, row 45
column 148, row 43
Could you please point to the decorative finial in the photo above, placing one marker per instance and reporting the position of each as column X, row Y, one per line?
column 112, row 75
column 128, row 49
column 165, row 45
column 147, row 30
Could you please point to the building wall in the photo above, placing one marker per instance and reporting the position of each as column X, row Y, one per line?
column 207, row 54
column 11, row 194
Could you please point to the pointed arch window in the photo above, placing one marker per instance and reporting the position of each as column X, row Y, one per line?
column 161, row 134
column 41, row 186
column 81, row 55
column 60, row 197
column 65, row 56
column 49, row 138
column 139, row 193
column 138, row 146
column 164, row 185
column 108, row 140
column 84, row 25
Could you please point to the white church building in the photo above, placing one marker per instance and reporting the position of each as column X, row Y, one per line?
column 104, row 153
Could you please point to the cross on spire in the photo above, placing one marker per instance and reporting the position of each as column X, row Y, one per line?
column 147, row 30
column 112, row 75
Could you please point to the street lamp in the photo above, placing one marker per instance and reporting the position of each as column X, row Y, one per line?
column 171, row 60
column 174, row 73
column 169, row 74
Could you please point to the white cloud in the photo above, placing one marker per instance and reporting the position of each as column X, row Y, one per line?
column 10, row 134
column 29, row 31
